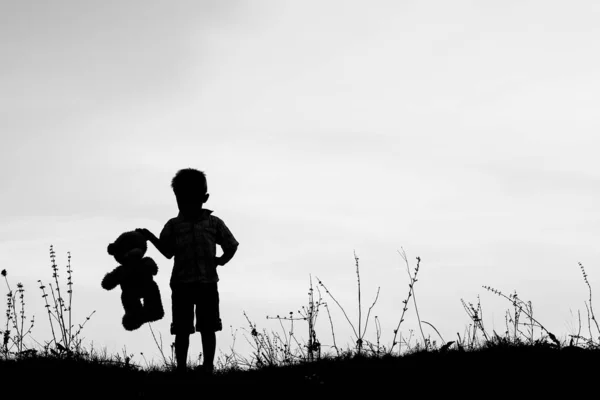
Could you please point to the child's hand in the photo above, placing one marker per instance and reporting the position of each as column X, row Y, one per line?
column 218, row 261
column 145, row 232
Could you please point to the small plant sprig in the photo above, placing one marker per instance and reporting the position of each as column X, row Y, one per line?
column 269, row 350
column 275, row 349
column 67, row 342
column 168, row 363
column 233, row 361
column 228, row 361
column 413, row 280
column 590, row 309
column 284, row 346
column 16, row 319
column 360, row 334
column 475, row 313
column 521, row 307
column 405, row 258
column 513, row 320
column 335, row 346
column 309, row 314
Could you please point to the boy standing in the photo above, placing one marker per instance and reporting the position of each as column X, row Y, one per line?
column 191, row 238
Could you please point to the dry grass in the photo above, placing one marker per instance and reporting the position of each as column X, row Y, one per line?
column 286, row 361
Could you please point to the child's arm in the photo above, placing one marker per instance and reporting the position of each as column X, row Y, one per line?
column 161, row 245
column 228, row 253
column 227, row 242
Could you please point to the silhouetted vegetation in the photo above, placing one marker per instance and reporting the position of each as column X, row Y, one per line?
column 525, row 360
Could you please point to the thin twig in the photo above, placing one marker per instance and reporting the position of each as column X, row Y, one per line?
column 590, row 291
column 359, row 341
column 339, row 305
column 413, row 280
column 370, row 308
column 425, row 322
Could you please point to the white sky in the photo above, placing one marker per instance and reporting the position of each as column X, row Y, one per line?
column 464, row 132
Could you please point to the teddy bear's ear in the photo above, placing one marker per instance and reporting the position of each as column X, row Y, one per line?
column 111, row 249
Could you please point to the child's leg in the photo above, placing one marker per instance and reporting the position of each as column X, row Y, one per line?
column 182, row 343
column 183, row 322
column 208, row 321
column 209, row 346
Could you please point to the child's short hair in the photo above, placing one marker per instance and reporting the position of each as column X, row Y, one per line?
column 189, row 181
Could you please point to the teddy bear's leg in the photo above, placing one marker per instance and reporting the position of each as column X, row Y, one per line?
column 133, row 317
column 153, row 308
column 131, row 323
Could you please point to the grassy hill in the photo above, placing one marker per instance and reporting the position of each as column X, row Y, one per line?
column 481, row 364
column 495, row 368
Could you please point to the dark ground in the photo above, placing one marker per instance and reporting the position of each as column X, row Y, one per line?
column 531, row 372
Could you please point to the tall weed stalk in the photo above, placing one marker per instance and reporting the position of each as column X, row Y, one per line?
column 65, row 340
column 360, row 333
column 14, row 343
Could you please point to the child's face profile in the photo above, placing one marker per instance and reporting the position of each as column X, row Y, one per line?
column 191, row 203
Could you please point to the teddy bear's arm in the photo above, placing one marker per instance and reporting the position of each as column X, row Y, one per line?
column 112, row 279
column 150, row 265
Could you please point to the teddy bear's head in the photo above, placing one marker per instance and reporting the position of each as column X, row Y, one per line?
column 129, row 247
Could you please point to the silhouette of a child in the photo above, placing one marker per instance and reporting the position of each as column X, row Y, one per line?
column 191, row 238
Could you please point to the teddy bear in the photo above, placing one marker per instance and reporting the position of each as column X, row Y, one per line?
column 135, row 275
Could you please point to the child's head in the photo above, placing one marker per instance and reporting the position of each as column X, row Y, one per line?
column 190, row 188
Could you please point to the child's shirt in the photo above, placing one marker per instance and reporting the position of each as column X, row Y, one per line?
column 192, row 241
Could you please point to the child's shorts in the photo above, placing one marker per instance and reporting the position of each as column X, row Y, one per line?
column 205, row 296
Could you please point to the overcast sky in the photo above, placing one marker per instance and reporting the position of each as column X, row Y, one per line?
column 464, row 132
